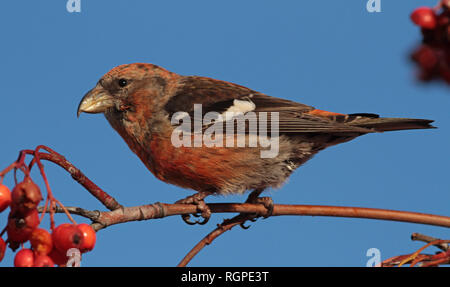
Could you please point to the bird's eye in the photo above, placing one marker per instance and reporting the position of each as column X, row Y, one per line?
column 123, row 82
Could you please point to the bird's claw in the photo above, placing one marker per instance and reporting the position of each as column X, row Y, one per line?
column 187, row 218
column 243, row 226
column 267, row 202
column 204, row 211
column 251, row 218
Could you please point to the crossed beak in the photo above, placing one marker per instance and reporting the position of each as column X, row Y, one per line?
column 97, row 100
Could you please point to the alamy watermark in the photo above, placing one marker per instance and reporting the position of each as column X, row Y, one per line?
column 375, row 257
column 73, row 6
column 74, row 257
column 228, row 129
column 373, row 6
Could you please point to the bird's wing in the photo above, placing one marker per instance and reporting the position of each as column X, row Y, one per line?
column 220, row 96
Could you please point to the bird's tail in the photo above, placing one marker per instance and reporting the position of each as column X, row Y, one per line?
column 373, row 121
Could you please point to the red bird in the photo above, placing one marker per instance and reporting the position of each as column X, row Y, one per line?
column 145, row 104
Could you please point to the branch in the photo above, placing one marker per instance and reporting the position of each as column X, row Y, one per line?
column 417, row 258
column 160, row 210
column 119, row 214
column 221, row 228
column 107, row 200
column 428, row 239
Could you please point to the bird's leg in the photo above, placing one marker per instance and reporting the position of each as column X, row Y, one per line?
column 266, row 201
column 202, row 208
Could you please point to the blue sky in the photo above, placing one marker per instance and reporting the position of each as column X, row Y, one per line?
column 333, row 55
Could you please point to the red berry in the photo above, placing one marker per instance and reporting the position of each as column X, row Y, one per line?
column 41, row 241
column 26, row 196
column 442, row 20
column 58, row 257
column 427, row 58
column 67, row 236
column 43, row 261
column 424, row 17
column 20, row 227
column 445, row 74
column 445, row 3
column 5, row 197
column 89, row 237
column 24, row 258
column 2, row 248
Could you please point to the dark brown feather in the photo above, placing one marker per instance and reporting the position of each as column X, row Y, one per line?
column 218, row 96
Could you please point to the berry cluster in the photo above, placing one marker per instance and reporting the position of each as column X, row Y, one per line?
column 46, row 249
column 433, row 55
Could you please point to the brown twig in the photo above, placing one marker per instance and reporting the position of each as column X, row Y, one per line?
column 414, row 259
column 428, row 239
column 90, row 214
column 160, row 210
column 221, row 228
column 120, row 214
column 108, row 201
column 321, row 211
column 423, row 260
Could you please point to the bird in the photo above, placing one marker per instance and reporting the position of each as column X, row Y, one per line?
column 147, row 105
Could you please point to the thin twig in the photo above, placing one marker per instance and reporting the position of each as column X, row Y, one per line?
column 414, row 255
column 160, row 210
column 107, row 200
column 120, row 214
column 221, row 228
column 428, row 239
column 89, row 214
column 418, row 258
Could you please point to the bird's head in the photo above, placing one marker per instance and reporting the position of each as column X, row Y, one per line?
column 117, row 90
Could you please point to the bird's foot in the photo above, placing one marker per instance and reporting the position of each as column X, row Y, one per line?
column 254, row 198
column 266, row 201
column 250, row 217
column 202, row 209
